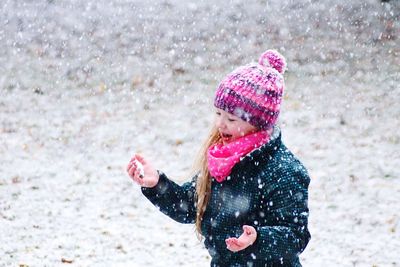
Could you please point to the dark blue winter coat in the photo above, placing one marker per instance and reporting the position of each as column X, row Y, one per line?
column 267, row 189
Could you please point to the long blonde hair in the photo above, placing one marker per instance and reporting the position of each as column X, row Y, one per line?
column 203, row 185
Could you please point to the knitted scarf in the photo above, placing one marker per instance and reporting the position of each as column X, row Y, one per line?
column 221, row 158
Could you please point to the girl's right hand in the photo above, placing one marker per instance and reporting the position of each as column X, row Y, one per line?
column 147, row 177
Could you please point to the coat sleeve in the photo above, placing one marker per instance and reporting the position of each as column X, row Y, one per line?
column 286, row 233
column 177, row 202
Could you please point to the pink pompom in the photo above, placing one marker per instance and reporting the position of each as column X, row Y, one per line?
column 274, row 59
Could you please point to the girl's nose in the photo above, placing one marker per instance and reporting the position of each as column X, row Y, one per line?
column 219, row 123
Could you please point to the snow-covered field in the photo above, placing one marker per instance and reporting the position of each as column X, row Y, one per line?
column 85, row 84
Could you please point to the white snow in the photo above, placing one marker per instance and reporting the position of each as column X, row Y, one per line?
column 86, row 84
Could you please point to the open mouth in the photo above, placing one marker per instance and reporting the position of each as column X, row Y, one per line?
column 225, row 137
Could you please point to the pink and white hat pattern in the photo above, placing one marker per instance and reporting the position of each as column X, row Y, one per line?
column 254, row 92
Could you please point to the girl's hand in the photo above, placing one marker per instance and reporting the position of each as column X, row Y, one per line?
column 246, row 239
column 142, row 172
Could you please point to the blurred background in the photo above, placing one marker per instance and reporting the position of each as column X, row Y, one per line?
column 85, row 84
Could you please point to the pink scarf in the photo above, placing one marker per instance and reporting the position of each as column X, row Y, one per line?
column 221, row 158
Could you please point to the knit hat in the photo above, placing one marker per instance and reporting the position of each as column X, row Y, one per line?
column 254, row 92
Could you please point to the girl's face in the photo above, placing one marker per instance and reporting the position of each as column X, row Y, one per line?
column 231, row 127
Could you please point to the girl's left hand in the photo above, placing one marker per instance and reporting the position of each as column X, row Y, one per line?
column 246, row 239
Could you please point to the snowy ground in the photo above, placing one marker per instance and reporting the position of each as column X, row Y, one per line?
column 85, row 84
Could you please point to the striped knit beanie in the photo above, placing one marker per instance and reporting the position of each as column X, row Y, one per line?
column 254, row 92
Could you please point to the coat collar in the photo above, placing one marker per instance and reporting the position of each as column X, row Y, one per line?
column 265, row 152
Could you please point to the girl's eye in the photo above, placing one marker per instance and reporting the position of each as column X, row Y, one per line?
column 231, row 120
column 218, row 113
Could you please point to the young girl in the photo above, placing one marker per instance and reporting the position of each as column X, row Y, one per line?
column 249, row 198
